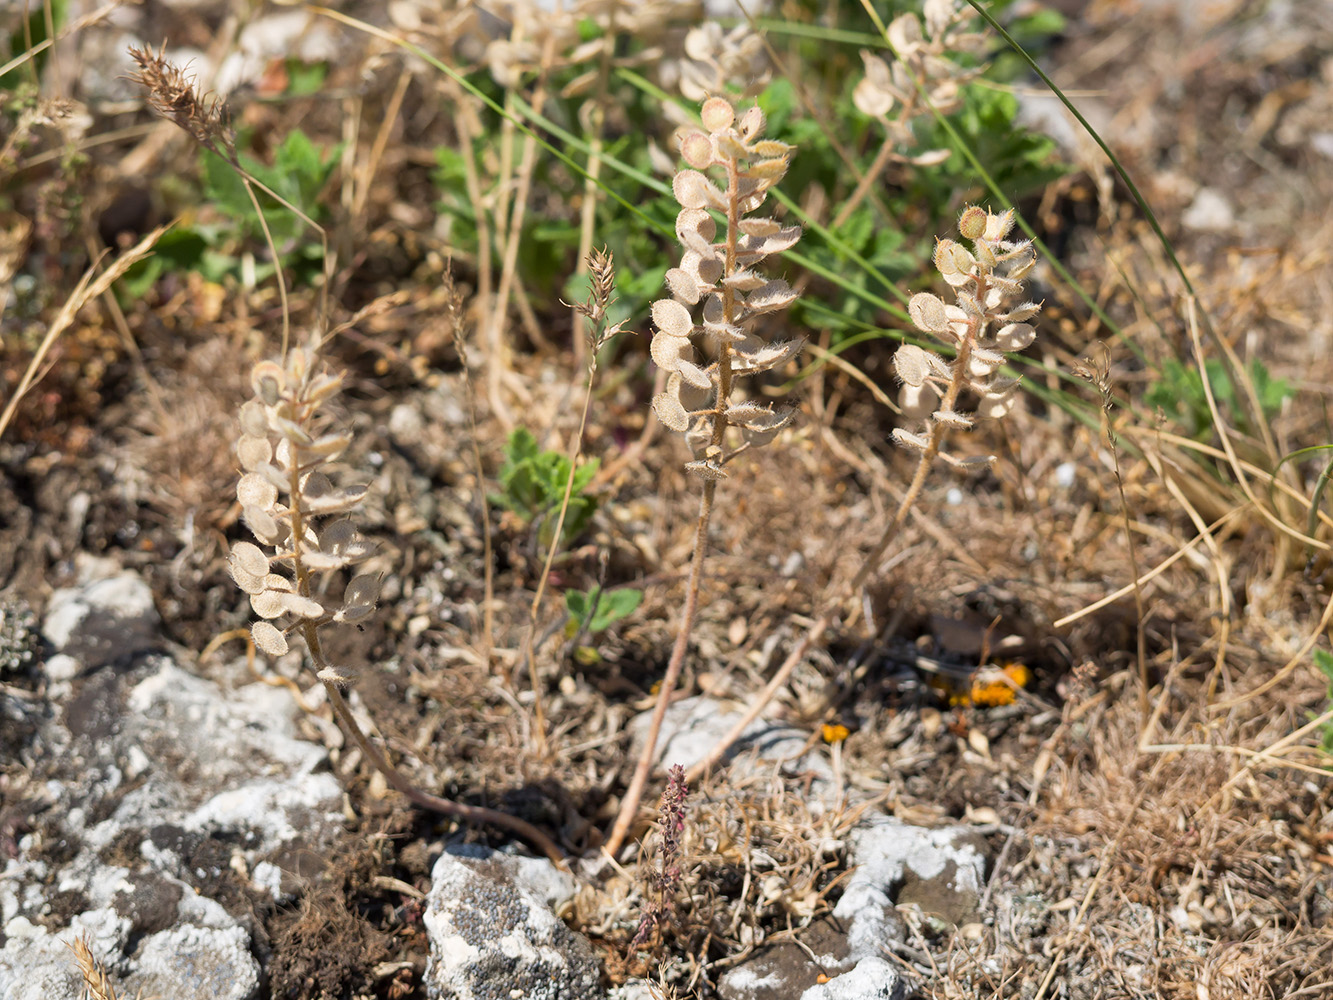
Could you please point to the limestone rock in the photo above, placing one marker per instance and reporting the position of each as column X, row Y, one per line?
column 494, row 933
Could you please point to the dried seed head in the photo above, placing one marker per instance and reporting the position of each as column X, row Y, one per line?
column 172, row 94
column 729, row 289
column 979, row 326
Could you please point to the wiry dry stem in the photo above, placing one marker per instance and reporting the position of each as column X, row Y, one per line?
column 931, row 392
column 698, row 400
column 601, row 297
column 309, row 536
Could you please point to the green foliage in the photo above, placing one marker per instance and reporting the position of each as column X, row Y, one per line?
column 1324, row 661
column 299, row 172
column 30, row 33
column 533, row 483
column 549, row 242
column 1020, row 161
column 596, row 610
column 1179, row 393
column 894, row 232
column 305, row 79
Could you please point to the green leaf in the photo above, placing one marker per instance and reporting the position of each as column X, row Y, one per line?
column 1323, row 659
column 597, row 610
column 614, row 606
column 304, row 79
column 533, row 483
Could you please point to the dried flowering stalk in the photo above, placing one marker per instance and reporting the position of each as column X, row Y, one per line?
column 305, row 533
column 717, row 59
column 96, row 981
column 665, row 880
column 979, row 327
column 173, row 94
column 600, row 331
column 720, row 280
column 923, row 79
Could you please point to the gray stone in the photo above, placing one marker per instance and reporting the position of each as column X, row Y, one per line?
column 209, row 961
column 693, row 726
column 494, row 933
column 108, row 617
column 161, row 789
column 872, row 979
column 943, row 871
column 781, row 971
column 633, row 989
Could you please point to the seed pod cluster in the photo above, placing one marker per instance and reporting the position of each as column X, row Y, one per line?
column 299, row 518
column 719, row 279
column 981, row 326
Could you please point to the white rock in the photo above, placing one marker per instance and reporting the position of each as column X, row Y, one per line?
column 872, row 979
column 490, row 920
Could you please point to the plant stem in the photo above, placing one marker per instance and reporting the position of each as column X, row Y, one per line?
column 401, row 783
column 630, row 806
column 575, row 451
column 815, row 631
column 634, row 793
column 396, row 779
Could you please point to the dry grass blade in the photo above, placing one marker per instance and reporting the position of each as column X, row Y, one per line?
column 90, row 286
column 94, row 973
